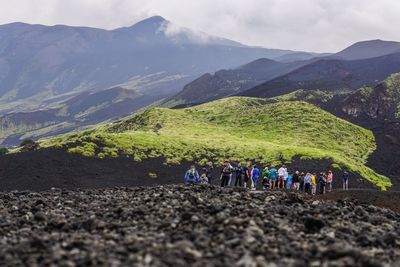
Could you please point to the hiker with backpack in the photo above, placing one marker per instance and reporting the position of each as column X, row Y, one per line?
column 226, row 173
column 238, row 175
column 192, row 176
column 273, row 176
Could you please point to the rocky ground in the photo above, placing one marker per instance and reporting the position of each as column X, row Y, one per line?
column 193, row 226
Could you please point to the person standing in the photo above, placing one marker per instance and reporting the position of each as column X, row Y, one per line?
column 289, row 182
column 265, row 177
column 301, row 177
column 230, row 180
column 255, row 173
column 192, row 176
column 329, row 181
column 296, row 181
column 345, row 180
column 210, row 170
column 226, row 173
column 313, row 184
column 281, row 176
column 238, row 175
column 307, row 183
column 285, row 177
column 322, row 183
column 246, row 174
column 273, row 175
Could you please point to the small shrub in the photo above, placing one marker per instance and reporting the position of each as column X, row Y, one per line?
column 29, row 145
column 3, row 150
column 26, row 142
column 153, row 175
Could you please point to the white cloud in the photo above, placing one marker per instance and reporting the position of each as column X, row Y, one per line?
column 313, row 25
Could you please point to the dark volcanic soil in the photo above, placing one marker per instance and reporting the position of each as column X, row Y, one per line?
column 47, row 168
column 389, row 200
column 192, row 226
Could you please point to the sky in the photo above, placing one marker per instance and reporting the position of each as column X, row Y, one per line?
column 307, row 25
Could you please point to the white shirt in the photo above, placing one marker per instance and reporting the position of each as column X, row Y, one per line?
column 281, row 171
column 285, row 176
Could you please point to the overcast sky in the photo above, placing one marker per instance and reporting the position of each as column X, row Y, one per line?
column 311, row 25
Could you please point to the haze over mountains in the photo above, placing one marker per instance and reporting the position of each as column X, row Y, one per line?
column 153, row 56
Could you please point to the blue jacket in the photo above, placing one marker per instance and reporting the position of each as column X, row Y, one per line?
column 256, row 173
column 190, row 178
column 289, row 179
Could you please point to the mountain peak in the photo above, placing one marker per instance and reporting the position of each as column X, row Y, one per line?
column 368, row 49
column 156, row 18
column 151, row 21
column 150, row 24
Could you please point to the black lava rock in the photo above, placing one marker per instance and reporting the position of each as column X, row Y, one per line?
column 192, row 226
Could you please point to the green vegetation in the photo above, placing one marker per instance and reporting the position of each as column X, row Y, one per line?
column 314, row 96
column 27, row 142
column 393, row 85
column 3, row 151
column 236, row 128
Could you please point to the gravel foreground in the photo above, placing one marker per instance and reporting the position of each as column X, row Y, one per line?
column 192, row 226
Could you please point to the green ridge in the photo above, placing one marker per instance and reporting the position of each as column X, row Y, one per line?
column 237, row 128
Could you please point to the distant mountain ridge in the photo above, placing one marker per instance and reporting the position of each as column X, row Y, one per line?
column 293, row 71
column 330, row 74
column 368, row 49
column 223, row 83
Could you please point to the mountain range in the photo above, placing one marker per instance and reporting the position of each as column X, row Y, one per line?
column 330, row 74
column 153, row 56
column 352, row 68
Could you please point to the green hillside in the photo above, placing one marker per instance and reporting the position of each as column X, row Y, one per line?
column 237, row 128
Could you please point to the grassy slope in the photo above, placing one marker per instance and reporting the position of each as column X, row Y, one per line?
column 236, row 128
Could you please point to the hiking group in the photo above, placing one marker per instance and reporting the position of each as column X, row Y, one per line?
column 249, row 176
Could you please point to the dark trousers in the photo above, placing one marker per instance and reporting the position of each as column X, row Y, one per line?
column 307, row 188
column 322, row 188
column 224, row 180
column 238, row 180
